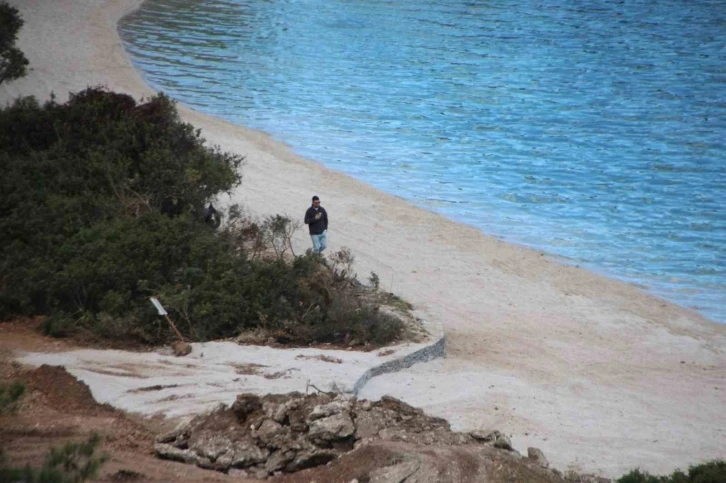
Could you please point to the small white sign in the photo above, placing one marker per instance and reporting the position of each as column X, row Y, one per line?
column 158, row 306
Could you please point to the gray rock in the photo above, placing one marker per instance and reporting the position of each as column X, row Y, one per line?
column 169, row 452
column 247, row 453
column 538, row 457
column 485, row 436
column 278, row 460
column 503, row 442
column 225, row 461
column 310, row 457
column 367, row 425
column 218, row 408
column 341, row 404
column 181, row 432
column 211, row 446
column 298, row 426
column 276, row 412
column 337, row 426
column 269, row 430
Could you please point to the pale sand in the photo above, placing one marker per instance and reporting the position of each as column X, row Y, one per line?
column 213, row 373
column 598, row 374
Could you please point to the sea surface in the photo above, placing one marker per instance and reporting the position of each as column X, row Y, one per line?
column 593, row 130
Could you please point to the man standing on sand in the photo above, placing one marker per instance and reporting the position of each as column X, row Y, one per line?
column 317, row 220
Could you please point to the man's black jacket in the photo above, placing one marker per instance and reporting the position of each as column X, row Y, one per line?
column 316, row 226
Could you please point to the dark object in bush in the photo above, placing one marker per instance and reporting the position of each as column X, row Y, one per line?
column 212, row 217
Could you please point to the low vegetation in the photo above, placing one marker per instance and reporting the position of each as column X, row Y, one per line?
column 70, row 463
column 10, row 394
column 103, row 206
column 710, row 472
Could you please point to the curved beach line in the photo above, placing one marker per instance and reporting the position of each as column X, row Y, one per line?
column 600, row 375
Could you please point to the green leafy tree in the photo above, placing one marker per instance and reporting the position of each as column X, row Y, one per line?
column 13, row 62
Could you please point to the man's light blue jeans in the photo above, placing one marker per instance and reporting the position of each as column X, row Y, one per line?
column 320, row 242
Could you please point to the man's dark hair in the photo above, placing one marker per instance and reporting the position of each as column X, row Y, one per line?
column 315, row 198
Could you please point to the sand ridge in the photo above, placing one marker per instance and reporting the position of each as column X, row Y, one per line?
column 597, row 373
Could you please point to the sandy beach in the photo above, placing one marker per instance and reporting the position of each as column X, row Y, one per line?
column 599, row 375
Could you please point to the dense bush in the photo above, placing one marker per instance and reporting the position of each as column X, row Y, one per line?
column 13, row 63
column 101, row 209
column 711, row 472
column 90, row 190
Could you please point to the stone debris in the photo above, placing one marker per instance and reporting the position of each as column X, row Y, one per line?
column 503, row 442
column 538, row 457
column 276, row 433
column 496, row 438
column 266, row 436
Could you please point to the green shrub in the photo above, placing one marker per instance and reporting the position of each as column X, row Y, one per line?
column 710, row 472
column 13, row 63
column 10, row 394
column 71, row 463
column 90, row 190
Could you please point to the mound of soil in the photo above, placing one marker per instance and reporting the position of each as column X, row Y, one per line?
column 65, row 393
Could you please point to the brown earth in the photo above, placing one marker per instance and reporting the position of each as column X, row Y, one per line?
column 57, row 408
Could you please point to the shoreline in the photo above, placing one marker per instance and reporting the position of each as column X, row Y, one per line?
column 572, row 360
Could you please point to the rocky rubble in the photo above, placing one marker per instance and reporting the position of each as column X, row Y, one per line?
column 259, row 436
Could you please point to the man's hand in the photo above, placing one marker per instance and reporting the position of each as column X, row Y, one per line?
column 318, row 215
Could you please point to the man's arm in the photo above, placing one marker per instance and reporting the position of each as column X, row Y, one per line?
column 325, row 216
column 308, row 218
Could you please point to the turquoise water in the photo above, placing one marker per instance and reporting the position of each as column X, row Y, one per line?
column 591, row 130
